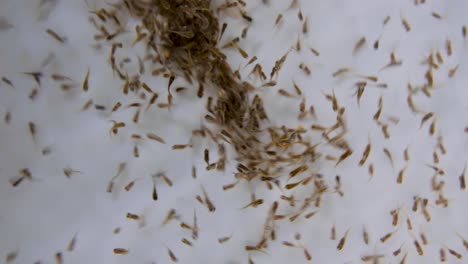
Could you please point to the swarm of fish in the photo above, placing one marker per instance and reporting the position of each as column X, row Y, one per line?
column 181, row 42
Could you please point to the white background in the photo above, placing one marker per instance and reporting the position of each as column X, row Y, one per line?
column 40, row 217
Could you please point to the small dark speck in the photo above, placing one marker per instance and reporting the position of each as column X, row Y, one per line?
column 99, row 107
column 4, row 24
column 46, row 151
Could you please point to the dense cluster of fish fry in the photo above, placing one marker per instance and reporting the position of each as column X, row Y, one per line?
column 183, row 43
